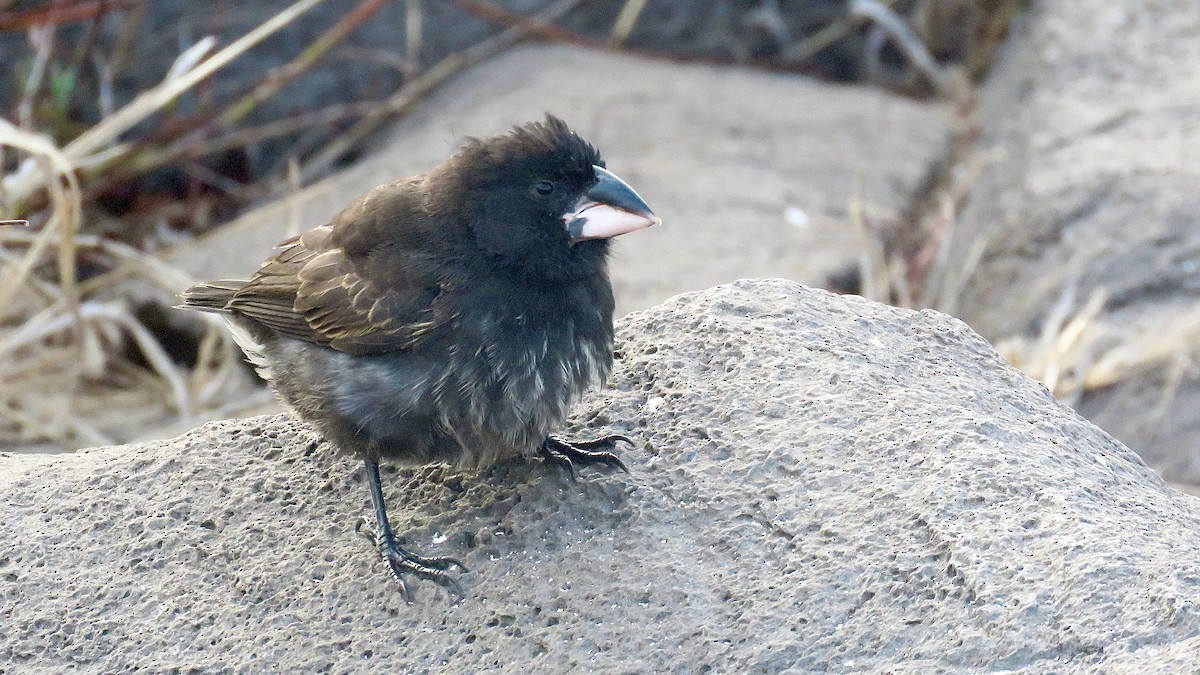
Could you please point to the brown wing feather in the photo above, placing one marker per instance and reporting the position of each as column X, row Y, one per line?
column 269, row 296
column 312, row 290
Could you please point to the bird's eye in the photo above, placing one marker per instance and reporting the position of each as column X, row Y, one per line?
column 543, row 188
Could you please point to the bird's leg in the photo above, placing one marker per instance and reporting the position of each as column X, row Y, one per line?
column 596, row 451
column 398, row 559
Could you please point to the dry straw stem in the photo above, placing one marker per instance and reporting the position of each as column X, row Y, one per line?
column 876, row 277
column 626, row 20
column 65, row 372
column 943, row 282
column 930, row 277
column 307, row 57
column 1081, row 351
column 195, row 145
column 55, row 173
column 886, row 25
column 97, row 146
column 807, row 48
column 418, row 87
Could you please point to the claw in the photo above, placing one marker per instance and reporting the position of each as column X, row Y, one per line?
column 616, row 461
column 596, row 451
column 560, row 459
column 399, row 561
column 608, row 442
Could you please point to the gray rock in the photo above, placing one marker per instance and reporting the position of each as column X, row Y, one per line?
column 724, row 155
column 1094, row 111
column 821, row 483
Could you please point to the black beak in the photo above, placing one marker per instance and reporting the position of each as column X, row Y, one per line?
column 608, row 209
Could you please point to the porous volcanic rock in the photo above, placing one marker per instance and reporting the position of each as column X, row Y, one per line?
column 819, row 483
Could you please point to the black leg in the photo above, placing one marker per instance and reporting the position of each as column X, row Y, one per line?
column 597, row 451
column 398, row 559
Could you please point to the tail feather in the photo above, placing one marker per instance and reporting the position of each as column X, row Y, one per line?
column 213, row 296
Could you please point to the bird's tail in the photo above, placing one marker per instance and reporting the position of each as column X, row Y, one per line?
column 213, row 296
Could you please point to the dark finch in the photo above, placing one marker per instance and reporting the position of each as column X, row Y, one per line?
column 450, row 318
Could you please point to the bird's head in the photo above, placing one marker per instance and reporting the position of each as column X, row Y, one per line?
column 538, row 199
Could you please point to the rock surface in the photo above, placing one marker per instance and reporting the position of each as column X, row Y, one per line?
column 821, row 483
column 753, row 173
column 1094, row 112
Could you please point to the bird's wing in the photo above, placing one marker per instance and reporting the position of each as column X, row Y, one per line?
column 313, row 290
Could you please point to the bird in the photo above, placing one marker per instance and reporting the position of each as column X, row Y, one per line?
column 453, row 317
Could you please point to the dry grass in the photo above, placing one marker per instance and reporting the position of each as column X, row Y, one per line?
column 77, row 367
column 1082, row 350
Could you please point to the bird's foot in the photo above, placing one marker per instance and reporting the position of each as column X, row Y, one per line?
column 400, row 561
column 584, row 453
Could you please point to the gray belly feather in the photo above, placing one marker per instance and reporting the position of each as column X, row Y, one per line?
column 454, row 405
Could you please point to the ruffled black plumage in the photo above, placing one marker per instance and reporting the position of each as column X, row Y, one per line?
column 448, row 317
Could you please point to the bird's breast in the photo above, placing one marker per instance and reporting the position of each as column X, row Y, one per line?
column 514, row 377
